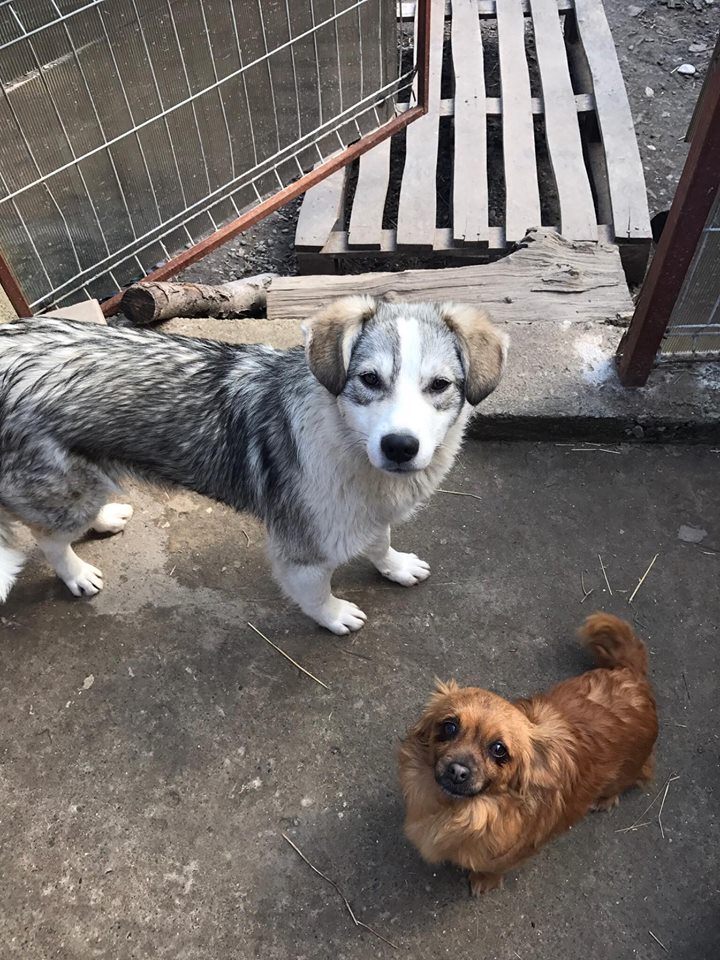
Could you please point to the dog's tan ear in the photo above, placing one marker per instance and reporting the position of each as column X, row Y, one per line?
column 484, row 348
column 443, row 689
column 423, row 728
column 420, row 731
column 541, row 765
column 330, row 337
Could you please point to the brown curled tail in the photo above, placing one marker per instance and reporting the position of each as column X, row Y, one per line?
column 613, row 643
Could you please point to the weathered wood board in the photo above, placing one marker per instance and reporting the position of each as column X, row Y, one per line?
column 550, row 278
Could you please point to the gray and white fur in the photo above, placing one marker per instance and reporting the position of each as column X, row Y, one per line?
column 330, row 445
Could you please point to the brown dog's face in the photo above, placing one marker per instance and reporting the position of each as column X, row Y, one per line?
column 477, row 742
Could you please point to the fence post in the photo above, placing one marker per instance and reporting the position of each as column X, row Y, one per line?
column 690, row 208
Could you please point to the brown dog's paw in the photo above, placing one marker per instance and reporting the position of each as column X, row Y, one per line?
column 606, row 803
column 484, row 882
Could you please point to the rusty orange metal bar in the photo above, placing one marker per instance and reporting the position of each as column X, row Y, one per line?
column 696, row 191
column 315, row 176
column 14, row 290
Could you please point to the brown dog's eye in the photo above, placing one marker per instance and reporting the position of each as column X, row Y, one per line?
column 498, row 751
column 449, row 729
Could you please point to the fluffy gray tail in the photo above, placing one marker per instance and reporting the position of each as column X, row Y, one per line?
column 11, row 558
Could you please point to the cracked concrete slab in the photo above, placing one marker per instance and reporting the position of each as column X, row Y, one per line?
column 142, row 813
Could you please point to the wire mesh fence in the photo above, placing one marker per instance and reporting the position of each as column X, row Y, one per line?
column 694, row 328
column 134, row 128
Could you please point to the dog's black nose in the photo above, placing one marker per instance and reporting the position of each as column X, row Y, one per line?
column 399, row 447
column 457, row 773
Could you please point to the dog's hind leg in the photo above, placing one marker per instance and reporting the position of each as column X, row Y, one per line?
column 112, row 518
column 309, row 586
column 11, row 559
column 402, row 568
column 58, row 495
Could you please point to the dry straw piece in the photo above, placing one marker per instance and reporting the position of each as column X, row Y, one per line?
column 358, row 923
column 287, row 656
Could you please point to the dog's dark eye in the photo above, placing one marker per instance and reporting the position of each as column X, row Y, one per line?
column 370, row 379
column 449, row 729
column 498, row 751
column 439, row 385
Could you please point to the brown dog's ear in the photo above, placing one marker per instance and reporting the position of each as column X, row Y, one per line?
column 484, row 348
column 443, row 689
column 547, row 755
column 423, row 728
column 420, row 731
column 330, row 337
column 538, row 767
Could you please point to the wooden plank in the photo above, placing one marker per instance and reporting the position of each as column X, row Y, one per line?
column 551, row 277
column 337, row 244
column 443, row 242
column 562, row 130
column 406, row 10
column 485, row 8
column 418, row 201
column 470, row 186
column 584, row 103
column 320, row 210
column 369, row 200
column 622, row 156
column 522, row 198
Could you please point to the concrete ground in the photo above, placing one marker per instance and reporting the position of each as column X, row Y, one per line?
column 154, row 750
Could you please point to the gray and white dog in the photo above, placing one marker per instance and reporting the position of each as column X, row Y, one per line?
column 330, row 445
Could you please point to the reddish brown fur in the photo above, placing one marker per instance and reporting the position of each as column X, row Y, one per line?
column 573, row 749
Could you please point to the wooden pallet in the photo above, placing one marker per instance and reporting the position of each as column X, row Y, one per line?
column 530, row 117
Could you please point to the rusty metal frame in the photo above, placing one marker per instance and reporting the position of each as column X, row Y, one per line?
column 693, row 200
column 13, row 290
column 263, row 209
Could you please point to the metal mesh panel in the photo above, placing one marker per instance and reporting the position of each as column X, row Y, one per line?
column 134, row 128
column 694, row 327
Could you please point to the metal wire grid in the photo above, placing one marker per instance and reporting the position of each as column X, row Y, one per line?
column 694, row 326
column 134, row 128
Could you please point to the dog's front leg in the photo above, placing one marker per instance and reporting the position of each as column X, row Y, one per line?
column 484, row 882
column 404, row 568
column 309, row 586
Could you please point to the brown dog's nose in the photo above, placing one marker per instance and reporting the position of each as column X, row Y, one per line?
column 458, row 773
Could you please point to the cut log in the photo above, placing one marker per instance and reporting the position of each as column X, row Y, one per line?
column 550, row 278
column 147, row 303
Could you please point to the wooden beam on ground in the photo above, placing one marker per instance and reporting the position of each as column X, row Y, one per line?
column 522, row 196
column 624, row 166
column 470, row 182
column 549, row 278
column 578, row 220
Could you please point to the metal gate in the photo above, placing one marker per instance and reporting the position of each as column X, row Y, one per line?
column 678, row 310
column 133, row 129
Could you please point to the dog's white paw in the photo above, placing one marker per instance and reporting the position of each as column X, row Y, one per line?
column 340, row 616
column 11, row 563
column 83, row 580
column 404, row 568
column 112, row 518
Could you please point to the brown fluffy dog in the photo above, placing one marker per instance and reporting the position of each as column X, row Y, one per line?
column 486, row 782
